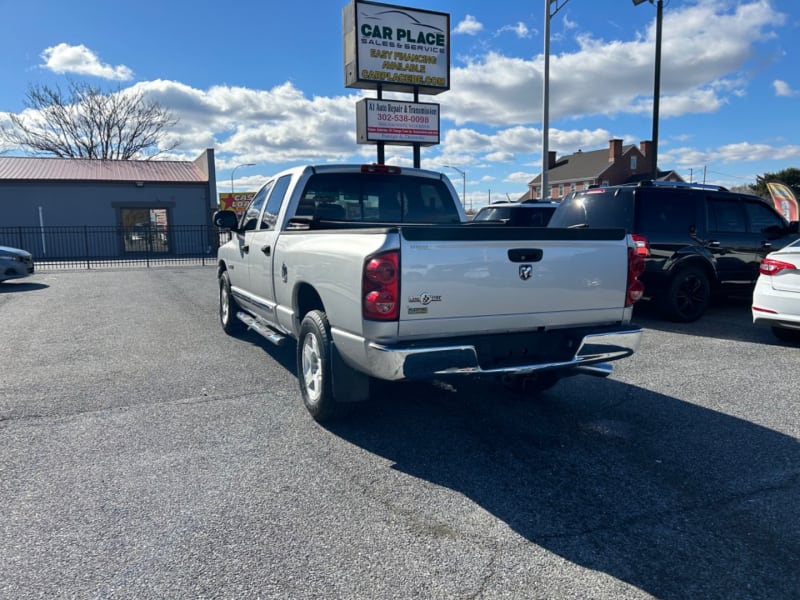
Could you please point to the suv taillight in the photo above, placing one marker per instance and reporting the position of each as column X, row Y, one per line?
column 381, row 287
column 770, row 266
column 635, row 288
column 642, row 245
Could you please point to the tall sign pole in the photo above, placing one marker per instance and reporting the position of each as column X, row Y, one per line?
column 546, row 93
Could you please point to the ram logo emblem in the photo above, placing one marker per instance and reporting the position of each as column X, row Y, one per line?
column 525, row 272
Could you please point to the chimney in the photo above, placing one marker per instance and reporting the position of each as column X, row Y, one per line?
column 551, row 159
column 614, row 150
column 646, row 148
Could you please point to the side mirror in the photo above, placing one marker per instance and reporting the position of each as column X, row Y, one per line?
column 226, row 219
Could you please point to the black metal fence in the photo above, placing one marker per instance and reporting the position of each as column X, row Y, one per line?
column 92, row 247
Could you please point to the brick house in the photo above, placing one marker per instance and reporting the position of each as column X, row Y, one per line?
column 616, row 165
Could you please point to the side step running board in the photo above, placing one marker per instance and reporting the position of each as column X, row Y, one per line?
column 262, row 329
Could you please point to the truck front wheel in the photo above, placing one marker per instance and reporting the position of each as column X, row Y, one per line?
column 228, row 307
column 314, row 366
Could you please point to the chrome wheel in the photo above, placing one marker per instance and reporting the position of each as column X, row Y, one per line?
column 224, row 305
column 312, row 368
column 228, row 307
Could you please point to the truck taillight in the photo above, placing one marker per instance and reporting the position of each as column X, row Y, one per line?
column 381, row 287
column 642, row 245
column 770, row 266
column 635, row 288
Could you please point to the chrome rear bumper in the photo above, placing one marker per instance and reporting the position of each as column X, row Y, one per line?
column 591, row 357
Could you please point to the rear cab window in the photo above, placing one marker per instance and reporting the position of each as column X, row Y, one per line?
column 357, row 197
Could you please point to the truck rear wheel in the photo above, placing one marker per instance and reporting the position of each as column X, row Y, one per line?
column 228, row 307
column 314, row 366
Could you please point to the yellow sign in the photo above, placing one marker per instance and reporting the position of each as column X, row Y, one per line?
column 236, row 202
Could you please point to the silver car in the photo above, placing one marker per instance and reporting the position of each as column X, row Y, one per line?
column 15, row 263
column 776, row 297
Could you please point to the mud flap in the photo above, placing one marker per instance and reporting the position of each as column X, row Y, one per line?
column 348, row 384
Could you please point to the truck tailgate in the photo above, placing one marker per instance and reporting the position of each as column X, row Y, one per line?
column 495, row 279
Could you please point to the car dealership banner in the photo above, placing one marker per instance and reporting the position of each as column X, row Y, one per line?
column 397, row 122
column 396, row 48
column 783, row 199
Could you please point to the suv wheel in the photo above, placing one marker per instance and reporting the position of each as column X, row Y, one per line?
column 687, row 295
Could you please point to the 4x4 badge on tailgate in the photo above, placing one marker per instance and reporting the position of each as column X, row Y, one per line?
column 525, row 272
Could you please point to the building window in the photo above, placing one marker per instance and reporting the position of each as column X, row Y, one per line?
column 572, row 187
column 633, row 162
column 560, row 190
column 145, row 230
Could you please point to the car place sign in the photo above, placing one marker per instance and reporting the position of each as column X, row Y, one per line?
column 395, row 48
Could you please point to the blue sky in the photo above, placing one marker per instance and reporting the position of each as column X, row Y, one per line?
column 263, row 82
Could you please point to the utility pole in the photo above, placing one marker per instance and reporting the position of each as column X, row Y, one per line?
column 546, row 91
column 657, row 79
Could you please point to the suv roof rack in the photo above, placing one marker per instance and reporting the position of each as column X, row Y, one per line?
column 681, row 184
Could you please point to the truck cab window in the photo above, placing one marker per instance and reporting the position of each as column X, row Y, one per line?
column 274, row 203
column 250, row 219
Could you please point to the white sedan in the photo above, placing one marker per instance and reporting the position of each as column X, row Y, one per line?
column 776, row 297
column 15, row 263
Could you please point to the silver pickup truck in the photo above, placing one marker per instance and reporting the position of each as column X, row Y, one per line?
column 376, row 274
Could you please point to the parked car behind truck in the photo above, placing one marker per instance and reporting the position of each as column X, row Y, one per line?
column 375, row 274
column 697, row 240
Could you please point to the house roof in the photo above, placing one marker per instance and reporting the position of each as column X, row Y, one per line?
column 581, row 165
column 87, row 169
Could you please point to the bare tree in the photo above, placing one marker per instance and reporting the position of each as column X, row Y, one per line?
column 86, row 123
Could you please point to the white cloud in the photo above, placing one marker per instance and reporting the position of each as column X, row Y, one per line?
column 80, row 60
column 705, row 53
column 469, row 26
column 520, row 29
column 783, row 89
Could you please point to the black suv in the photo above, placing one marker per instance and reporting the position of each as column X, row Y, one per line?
column 697, row 240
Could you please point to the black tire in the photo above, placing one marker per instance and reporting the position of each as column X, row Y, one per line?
column 314, row 366
column 228, row 307
column 687, row 295
column 786, row 335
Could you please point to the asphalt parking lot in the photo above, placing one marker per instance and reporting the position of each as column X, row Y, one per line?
column 144, row 454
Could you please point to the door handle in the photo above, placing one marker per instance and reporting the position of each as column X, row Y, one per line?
column 525, row 254
column 266, row 249
column 246, row 248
